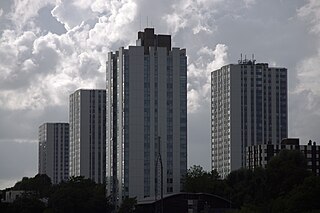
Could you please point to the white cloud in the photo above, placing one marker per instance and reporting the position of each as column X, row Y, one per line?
column 197, row 15
column 308, row 68
column 311, row 12
column 41, row 70
column 249, row 3
column 24, row 10
column 38, row 70
column 199, row 75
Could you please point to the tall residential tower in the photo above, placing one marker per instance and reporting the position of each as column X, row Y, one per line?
column 146, row 118
column 248, row 107
column 87, row 118
column 54, row 151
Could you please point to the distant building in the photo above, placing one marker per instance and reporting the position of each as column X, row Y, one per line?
column 248, row 107
column 12, row 195
column 54, row 151
column 146, row 115
column 260, row 155
column 87, row 118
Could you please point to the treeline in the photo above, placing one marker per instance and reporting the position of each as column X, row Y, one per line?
column 74, row 196
column 285, row 185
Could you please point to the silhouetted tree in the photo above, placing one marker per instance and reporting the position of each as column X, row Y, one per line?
column 286, row 171
column 199, row 180
column 128, row 205
column 27, row 203
column 79, row 195
column 40, row 183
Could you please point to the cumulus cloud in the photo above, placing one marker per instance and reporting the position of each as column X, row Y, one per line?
column 197, row 15
column 202, row 15
column 308, row 68
column 40, row 70
column 199, row 75
column 311, row 12
column 24, row 10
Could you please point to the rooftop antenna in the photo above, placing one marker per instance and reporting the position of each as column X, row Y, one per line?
column 253, row 60
column 240, row 61
column 147, row 22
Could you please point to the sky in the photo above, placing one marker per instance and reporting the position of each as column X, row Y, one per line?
column 50, row 48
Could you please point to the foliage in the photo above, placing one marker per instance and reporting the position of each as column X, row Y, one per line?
column 40, row 183
column 198, row 180
column 303, row 198
column 284, row 186
column 27, row 203
column 247, row 187
column 286, row 171
column 76, row 195
column 79, row 195
column 128, row 205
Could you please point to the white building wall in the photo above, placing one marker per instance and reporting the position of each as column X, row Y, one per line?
column 54, row 151
column 257, row 113
column 87, row 114
column 136, row 122
column 141, row 157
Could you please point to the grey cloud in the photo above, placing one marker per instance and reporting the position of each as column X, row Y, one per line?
column 47, row 22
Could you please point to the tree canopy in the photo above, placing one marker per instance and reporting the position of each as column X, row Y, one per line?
column 285, row 185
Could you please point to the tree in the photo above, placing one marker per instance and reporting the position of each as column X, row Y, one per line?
column 128, row 205
column 79, row 195
column 286, row 171
column 27, row 203
column 198, row 180
column 303, row 198
column 247, row 187
column 40, row 183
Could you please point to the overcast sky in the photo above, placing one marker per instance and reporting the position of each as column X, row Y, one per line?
column 49, row 48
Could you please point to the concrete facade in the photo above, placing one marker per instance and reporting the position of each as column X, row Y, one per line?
column 146, row 115
column 87, row 118
column 248, row 107
column 54, row 151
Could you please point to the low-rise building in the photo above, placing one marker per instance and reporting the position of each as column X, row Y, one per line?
column 260, row 155
column 12, row 195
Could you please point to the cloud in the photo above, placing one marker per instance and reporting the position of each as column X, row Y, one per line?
column 311, row 13
column 308, row 68
column 197, row 15
column 40, row 70
column 24, row 10
column 199, row 75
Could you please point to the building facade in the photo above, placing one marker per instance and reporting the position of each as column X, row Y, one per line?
column 248, row 107
column 87, row 118
column 260, row 155
column 54, row 151
column 146, row 118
